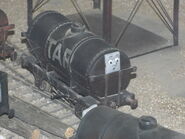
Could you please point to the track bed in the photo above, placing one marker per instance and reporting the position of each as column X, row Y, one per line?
column 21, row 87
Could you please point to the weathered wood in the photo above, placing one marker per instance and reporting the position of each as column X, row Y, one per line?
column 16, row 126
column 26, row 114
column 35, row 134
column 176, row 22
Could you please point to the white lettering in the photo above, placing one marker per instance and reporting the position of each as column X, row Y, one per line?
column 52, row 43
column 66, row 57
column 57, row 53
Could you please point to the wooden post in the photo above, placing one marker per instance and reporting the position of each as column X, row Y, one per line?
column 29, row 12
column 107, row 20
column 176, row 22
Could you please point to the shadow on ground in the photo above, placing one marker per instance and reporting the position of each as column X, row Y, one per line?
column 135, row 41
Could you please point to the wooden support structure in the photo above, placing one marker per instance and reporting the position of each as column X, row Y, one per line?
column 29, row 12
column 176, row 22
column 28, row 118
column 107, row 20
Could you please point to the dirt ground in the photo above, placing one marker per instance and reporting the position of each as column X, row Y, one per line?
column 151, row 87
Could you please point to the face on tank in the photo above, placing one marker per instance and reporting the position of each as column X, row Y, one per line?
column 112, row 62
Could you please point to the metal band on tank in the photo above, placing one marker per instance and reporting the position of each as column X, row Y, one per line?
column 54, row 30
column 37, row 18
column 98, row 55
column 77, row 45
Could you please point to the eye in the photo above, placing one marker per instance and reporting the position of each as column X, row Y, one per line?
column 117, row 60
column 110, row 62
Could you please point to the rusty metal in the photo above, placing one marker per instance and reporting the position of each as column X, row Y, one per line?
column 5, row 50
column 4, row 27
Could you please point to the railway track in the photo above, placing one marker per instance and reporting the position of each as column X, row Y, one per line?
column 21, row 85
column 8, row 134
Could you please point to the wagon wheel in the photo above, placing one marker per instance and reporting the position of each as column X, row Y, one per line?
column 3, row 22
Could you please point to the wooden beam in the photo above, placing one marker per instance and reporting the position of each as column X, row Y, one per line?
column 28, row 118
column 176, row 22
column 107, row 20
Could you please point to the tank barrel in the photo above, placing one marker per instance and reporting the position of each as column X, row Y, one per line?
column 106, row 123
column 82, row 64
